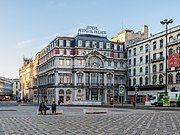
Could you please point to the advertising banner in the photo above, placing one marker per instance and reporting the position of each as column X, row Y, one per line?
column 174, row 60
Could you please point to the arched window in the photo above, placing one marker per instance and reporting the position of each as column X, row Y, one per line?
column 160, row 78
column 178, row 49
column 134, row 81
column 68, row 92
column 161, row 67
column 154, row 79
column 170, row 51
column 170, row 78
column 146, row 80
column 178, row 78
column 109, row 78
column 94, row 62
column 80, row 77
column 154, row 68
column 134, row 72
column 141, row 81
column 61, row 91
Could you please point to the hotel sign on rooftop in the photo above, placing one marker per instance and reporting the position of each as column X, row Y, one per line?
column 92, row 30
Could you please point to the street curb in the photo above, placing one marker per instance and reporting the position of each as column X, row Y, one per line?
column 129, row 107
column 7, row 110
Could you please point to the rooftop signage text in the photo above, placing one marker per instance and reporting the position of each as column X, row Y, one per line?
column 92, row 30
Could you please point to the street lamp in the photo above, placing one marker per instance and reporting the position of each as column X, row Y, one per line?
column 166, row 22
column 135, row 96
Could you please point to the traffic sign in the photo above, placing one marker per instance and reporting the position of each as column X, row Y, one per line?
column 121, row 90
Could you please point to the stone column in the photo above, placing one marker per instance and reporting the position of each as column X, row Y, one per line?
column 90, row 94
column 105, row 96
column 56, row 91
column 90, row 78
column 75, row 79
column 73, row 88
column 105, row 79
column 113, row 79
column 56, row 62
column 84, row 78
column 83, row 94
column 99, row 95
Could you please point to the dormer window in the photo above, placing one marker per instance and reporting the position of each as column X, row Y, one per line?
column 87, row 44
column 67, row 43
column 61, row 42
column 108, row 45
column 101, row 45
column 79, row 43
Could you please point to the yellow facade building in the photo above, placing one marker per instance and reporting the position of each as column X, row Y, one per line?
column 28, row 78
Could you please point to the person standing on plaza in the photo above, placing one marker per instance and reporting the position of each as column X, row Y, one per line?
column 41, row 107
column 53, row 107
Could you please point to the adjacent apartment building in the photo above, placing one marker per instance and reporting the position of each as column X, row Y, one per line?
column 128, row 36
column 147, row 64
column 5, row 88
column 28, row 78
column 16, row 89
column 85, row 69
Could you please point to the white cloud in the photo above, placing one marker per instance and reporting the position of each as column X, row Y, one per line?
column 24, row 44
column 36, row 41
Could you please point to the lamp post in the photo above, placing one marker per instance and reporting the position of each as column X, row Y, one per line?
column 135, row 96
column 166, row 22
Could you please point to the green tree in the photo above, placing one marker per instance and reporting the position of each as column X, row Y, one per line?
column 178, row 101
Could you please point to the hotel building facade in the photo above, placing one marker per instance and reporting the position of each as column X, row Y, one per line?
column 147, row 65
column 85, row 69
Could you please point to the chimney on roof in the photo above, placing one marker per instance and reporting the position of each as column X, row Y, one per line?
column 145, row 31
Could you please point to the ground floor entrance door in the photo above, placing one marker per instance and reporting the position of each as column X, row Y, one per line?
column 94, row 94
column 61, row 99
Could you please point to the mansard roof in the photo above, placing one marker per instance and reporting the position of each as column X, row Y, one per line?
column 91, row 37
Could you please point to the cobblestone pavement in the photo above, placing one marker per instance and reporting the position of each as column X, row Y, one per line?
column 25, row 121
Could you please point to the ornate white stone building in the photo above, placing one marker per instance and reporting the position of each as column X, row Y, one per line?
column 85, row 69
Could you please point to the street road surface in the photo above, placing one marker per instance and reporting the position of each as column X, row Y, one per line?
column 73, row 121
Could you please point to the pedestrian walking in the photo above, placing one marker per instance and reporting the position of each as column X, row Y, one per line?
column 53, row 107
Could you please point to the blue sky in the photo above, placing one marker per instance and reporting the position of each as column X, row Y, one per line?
column 26, row 26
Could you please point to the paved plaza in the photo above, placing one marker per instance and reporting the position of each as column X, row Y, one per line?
column 73, row 121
